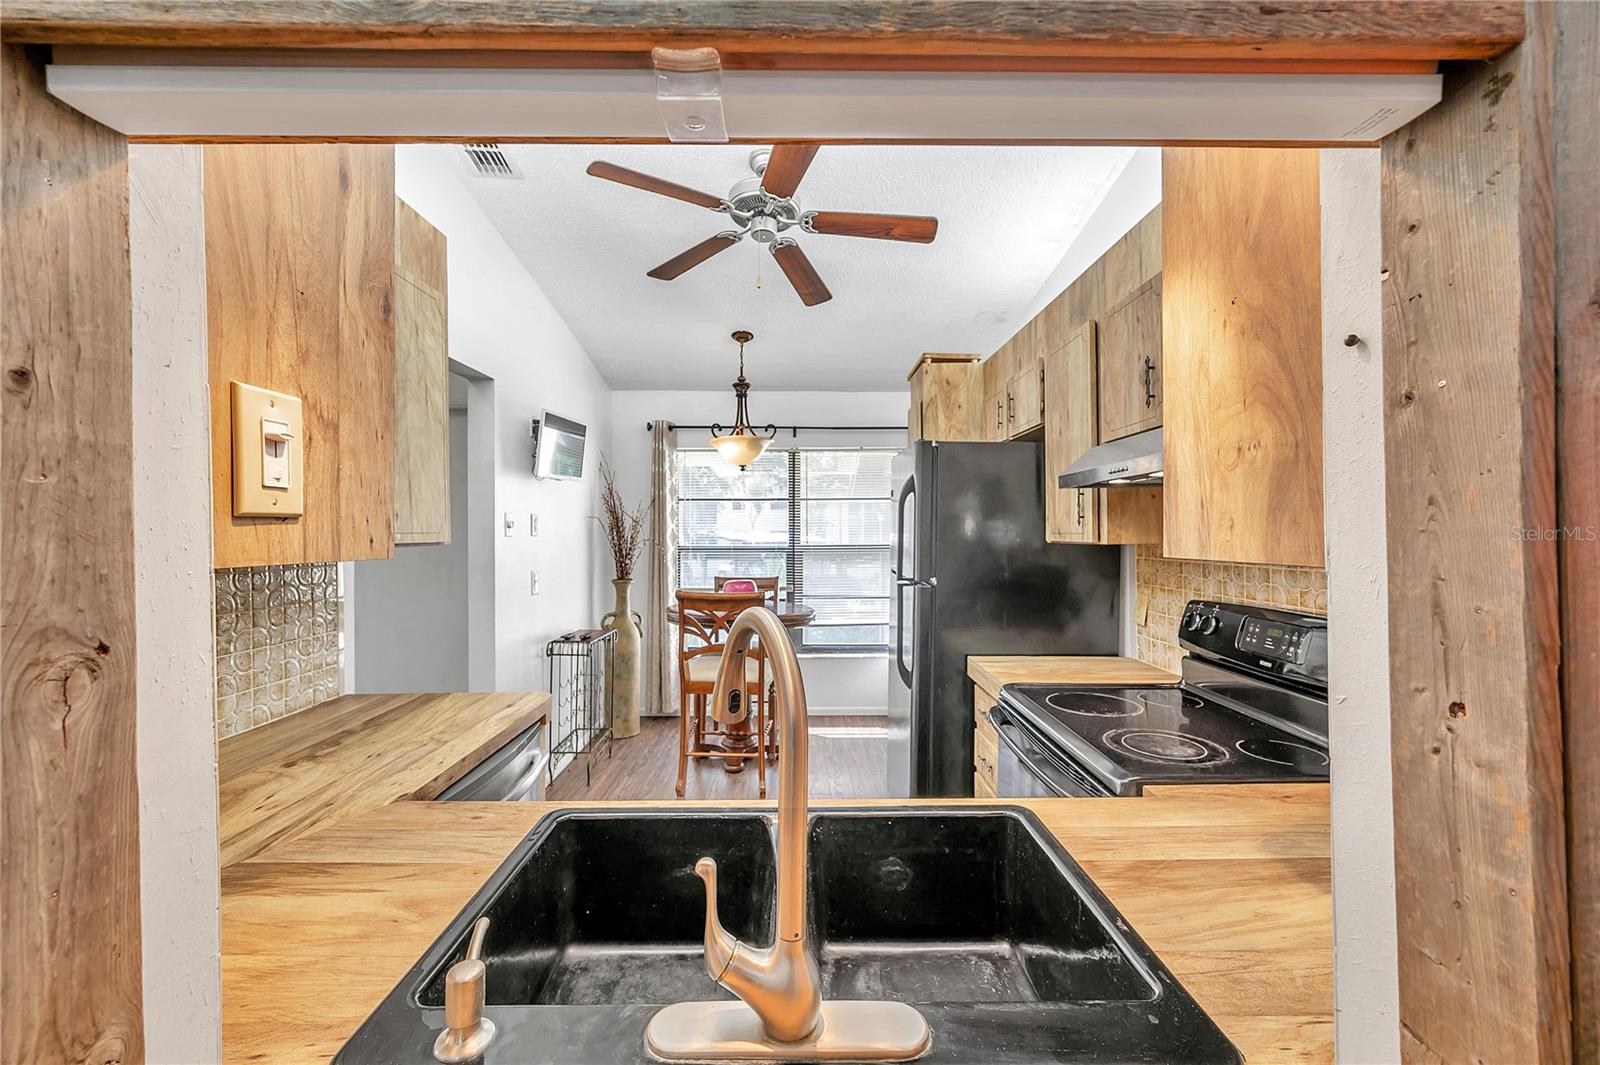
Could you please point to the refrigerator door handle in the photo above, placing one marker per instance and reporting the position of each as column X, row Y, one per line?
column 899, row 633
column 907, row 490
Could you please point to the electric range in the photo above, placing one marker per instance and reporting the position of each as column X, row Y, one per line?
column 1252, row 707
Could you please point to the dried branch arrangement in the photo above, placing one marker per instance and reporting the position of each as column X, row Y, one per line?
column 624, row 528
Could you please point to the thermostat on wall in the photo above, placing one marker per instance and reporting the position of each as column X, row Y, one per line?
column 268, row 454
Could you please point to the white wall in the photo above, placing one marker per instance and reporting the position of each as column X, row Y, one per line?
column 836, row 684
column 1134, row 194
column 179, row 895
column 502, row 327
column 1366, row 974
column 409, row 614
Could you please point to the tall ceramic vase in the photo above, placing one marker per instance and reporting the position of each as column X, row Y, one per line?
column 625, row 664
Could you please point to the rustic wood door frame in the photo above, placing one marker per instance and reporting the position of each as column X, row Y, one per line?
column 1543, row 378
column 72, row 989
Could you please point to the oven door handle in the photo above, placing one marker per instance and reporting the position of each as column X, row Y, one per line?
column 1004, row 726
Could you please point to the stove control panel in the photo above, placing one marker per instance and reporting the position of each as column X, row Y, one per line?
column 1273, row 639
column 1261, row 639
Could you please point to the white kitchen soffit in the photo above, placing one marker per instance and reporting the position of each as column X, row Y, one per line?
column 150, row 98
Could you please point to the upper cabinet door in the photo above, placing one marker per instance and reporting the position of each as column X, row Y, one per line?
column 300, row 299
column 1243, row 355
column 1130, row 364
column 421, row 382
column 1069, row 398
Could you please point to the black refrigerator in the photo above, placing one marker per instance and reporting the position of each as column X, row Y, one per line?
column 973, row 575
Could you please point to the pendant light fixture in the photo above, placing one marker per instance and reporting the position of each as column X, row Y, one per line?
column 741, row 445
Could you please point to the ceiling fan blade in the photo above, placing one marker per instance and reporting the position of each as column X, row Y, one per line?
column 688, row 260
column 622, row 175
column 801, row 274
column 786, row 166
column 880, row 226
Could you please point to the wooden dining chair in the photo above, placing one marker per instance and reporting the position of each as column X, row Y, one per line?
column 704, row 619
column 769, row 587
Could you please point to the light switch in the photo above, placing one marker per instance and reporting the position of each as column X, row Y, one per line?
column 268, row 453
column 275, row 440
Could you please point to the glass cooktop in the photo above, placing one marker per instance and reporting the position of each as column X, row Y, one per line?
column 1129, row 737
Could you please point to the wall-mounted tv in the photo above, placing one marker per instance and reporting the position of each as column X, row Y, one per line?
column 558, row 448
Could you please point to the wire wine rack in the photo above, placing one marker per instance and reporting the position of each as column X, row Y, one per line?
column 580, row 696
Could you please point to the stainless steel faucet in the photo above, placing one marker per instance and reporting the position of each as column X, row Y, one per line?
column 780, row 983
column 783, row 1017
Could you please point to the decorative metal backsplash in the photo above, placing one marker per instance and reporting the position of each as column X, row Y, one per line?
column 279, row 646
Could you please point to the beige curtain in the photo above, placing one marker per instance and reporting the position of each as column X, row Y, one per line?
column 661, row 666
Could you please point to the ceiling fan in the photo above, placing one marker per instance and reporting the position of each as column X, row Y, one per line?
column 762, row 208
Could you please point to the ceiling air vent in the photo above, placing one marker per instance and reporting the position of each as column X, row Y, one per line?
column 489, row 161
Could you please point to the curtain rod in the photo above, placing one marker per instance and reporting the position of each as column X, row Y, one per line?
column 794, row 430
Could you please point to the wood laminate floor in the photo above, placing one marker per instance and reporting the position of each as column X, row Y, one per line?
column 848, row 758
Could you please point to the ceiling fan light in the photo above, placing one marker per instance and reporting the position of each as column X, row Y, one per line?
column 763, row 229
column 741, row 449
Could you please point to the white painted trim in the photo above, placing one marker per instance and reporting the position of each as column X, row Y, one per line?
column 179, row 893
column 1365, row 945
column 239, row 100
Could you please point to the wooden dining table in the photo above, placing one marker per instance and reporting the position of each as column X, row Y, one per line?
column 739, row 738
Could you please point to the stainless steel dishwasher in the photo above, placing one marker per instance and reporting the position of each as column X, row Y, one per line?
column 513, row 773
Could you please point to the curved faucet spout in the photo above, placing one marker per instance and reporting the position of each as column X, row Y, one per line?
column 780, row 983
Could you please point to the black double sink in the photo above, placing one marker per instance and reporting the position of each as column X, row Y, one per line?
column 977, row 917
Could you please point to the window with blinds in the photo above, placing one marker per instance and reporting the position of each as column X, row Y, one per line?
column 819, row 519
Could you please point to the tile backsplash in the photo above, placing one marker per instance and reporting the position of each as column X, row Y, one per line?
column 278, row 642
column 1165, row 585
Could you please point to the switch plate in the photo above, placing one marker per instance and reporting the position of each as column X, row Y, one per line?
column 533, row 525
column 509, row 523
column 533, row 582
column 268, row 453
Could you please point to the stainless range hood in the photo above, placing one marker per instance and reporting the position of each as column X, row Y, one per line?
column 1133, row 459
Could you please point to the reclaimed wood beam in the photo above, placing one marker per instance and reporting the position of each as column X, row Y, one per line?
column 966, row 31
column 69, row 845
column 1577, row 198
column 1469, row 250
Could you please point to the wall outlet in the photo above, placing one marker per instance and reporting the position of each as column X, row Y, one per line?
column 533, row 525
column 533, row 582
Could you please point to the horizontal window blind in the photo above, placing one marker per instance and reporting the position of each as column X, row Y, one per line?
column 819, row 519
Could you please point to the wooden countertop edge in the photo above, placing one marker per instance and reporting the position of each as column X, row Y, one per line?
column 368, row 779
column 992, row 672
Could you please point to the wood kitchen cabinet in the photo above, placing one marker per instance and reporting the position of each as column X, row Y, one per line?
column 422, row 382
column 1086, row 515
column 299, row 245
column 1025, row 395
column 946, row 403
column 1013, row 387
column 1130, row 362
column 1070, row 430
column 1242, row 355
column 985, row 746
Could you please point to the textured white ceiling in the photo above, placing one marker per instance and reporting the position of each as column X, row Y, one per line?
column 1006, row 217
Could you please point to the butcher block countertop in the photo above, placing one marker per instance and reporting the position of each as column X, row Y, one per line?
column 1229, row 885
column 355, row 754
column 992, row 671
